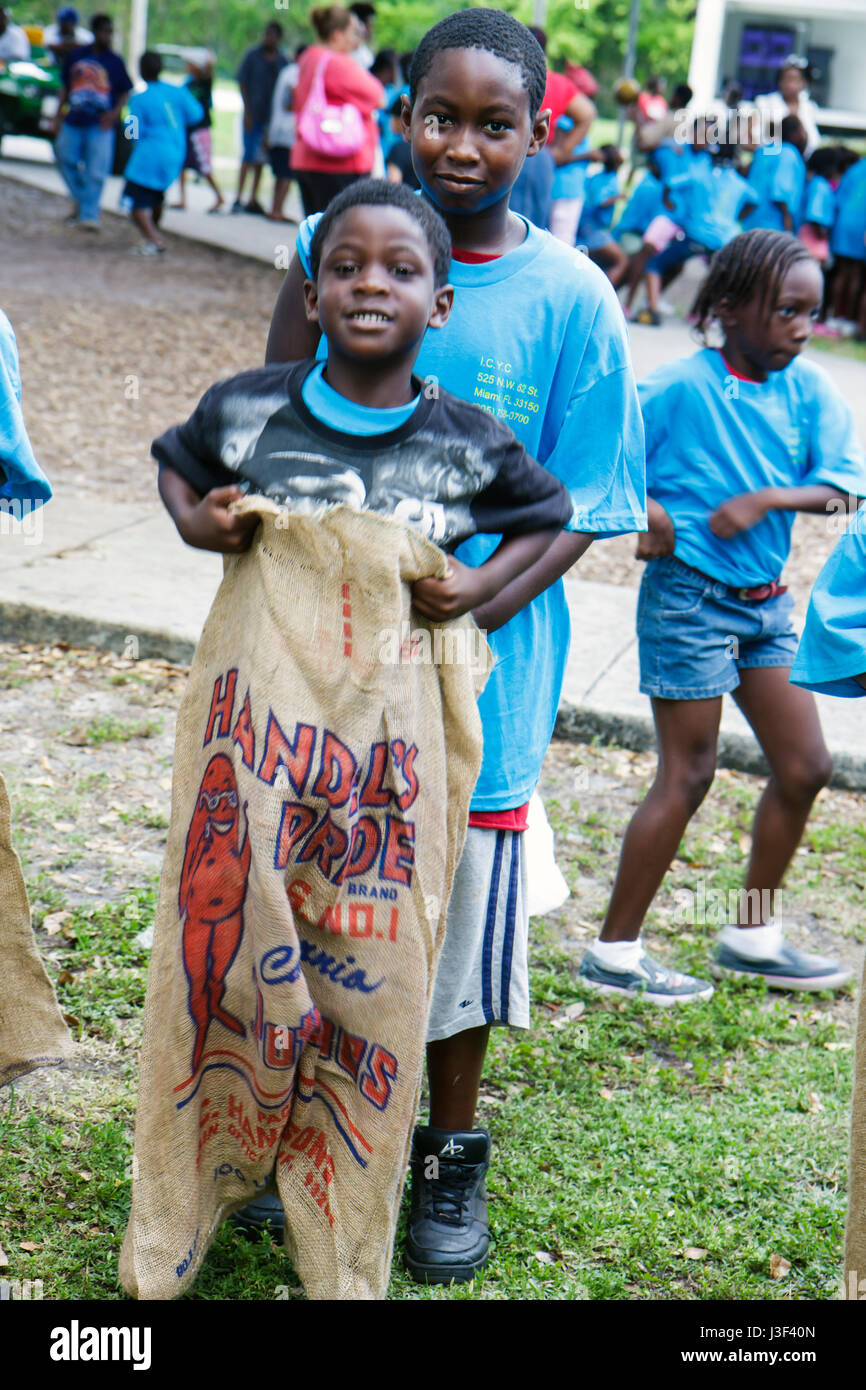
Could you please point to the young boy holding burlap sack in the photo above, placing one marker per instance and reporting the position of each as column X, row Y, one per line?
column 326, row 751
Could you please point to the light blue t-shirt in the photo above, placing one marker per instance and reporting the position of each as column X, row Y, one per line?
column 777, row 175
column 819, row 202
column 848, row 237
column 673, row 157
column 537, row 338
column 24, row 480
column 158, row 119
column 594, row 218
column 348, row 416
column 711, row 435
column 569, row 180
column 832, row 649
column 645, row 203
column 709, row 200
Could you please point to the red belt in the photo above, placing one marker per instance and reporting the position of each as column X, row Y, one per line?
column 759, row 593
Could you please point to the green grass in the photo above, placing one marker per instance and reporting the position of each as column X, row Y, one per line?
column 620, row 1144
column 106, row 729
column 621, row 1141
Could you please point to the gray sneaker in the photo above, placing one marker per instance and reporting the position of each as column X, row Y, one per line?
column 789, row 969
column 649, row 978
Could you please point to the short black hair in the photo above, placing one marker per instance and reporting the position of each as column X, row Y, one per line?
column 681, row 96
column 150, row 65
column 363, row 11
column 824, row 161
column 793, row 131
column 755, row 262
column 99, row 21
column 275, row 26
column 379, row 193
column 495, row 32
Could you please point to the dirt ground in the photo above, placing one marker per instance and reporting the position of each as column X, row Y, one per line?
column 114, row 349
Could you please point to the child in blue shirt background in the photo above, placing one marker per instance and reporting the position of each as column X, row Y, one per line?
column 818, row 208
column 738, row 439
column 536, row 337
column 778, row 176
column 594, row 229
column 848, row 245
column 158, row 121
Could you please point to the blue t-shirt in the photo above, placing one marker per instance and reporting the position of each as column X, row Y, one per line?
column 832, row 648
column 848, row 237
column 95, row 80
column 158, row 119
column 349, row 416
column 645, row 203
column 21, row 478
column 594, row 218
column 711, row 435
column 672, row 158
column 819, row 202
column 569, row 180
column 777, row 175
column 709, row 200
column 537, row 338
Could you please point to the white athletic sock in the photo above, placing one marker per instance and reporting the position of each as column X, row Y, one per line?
column 617, row 955
column 755, row 943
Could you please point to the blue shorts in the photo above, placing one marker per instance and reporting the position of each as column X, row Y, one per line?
column 680, row 250
column 254, row 149
column 695, row 635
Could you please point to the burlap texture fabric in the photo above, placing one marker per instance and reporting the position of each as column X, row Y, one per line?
column 855, row 1233
column 32, row 1031
column 323, row 768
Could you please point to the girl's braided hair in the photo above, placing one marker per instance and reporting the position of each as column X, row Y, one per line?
column 755, row 261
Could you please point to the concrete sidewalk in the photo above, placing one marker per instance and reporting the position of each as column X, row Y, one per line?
column 119, row 577
column 30, row 161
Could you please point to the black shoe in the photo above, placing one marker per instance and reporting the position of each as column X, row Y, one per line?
column 448, row 1236
column 264, row 1214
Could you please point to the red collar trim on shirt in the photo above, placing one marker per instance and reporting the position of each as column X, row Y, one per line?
column 474, row 257
column 737, row 374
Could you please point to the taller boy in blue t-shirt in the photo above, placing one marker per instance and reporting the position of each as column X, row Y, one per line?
column 538, row 339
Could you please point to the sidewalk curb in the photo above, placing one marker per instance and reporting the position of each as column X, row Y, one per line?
column 578, row 724
column 21, row 622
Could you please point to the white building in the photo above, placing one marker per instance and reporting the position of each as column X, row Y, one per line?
column 744, row 41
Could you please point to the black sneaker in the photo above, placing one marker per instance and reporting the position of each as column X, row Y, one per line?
column 264, row 1214
column 448, row 1237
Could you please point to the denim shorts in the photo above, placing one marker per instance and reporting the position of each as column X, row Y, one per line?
column 695, row 635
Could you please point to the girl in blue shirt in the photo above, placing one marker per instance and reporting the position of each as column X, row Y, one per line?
column 738, row 439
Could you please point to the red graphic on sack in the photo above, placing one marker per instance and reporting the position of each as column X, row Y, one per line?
column 213, row 885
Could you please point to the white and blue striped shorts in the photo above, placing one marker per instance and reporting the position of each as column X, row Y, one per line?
column 483, row 974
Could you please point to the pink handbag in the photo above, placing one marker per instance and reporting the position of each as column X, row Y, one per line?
column 336, row 131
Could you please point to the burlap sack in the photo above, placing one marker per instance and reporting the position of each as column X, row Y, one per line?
column 32, row 1031
column 855, row 1234
column 323, row 770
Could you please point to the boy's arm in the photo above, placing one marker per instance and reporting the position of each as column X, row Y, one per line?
column 292, row 337
column 748, row 508
column 566, row 549
column 206, row 522
column 466, row 588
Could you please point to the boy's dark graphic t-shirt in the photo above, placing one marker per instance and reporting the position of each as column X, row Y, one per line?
column 449, row 471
